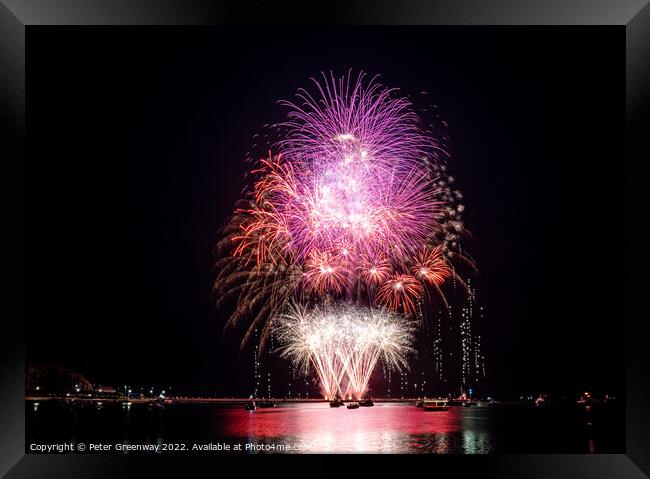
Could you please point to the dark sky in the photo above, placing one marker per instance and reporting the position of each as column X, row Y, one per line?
column 137, row 140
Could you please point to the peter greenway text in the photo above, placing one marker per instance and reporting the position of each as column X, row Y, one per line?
column 92, row 447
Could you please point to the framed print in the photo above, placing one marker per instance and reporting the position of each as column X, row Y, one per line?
column 404, row 235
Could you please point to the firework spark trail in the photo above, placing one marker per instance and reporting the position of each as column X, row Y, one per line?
column 344, row 342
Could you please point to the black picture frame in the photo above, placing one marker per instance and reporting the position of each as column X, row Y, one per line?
column 17, row 16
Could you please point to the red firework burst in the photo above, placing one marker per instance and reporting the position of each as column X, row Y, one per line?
column 430, row 266
column 400, row 293
column 374, row 271
column 325, row 272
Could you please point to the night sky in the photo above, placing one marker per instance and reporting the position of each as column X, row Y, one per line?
column 136, row 147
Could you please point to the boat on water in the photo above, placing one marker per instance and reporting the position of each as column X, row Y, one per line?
column 250, row 406
column 366, row 402
column 463, row 400
column 587, row 400
column 435, row 405
column 157, row 404
column 336, row 402
column 353, row 405
column 419, row 403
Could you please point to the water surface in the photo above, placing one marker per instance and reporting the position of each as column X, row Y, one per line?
column 315, row 427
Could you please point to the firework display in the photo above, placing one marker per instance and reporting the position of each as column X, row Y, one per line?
column 351, row 204
column 343, row 344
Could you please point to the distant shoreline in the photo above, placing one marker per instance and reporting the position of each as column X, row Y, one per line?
column 203, row 400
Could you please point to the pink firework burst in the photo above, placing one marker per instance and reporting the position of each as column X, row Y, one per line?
column 354, row 170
